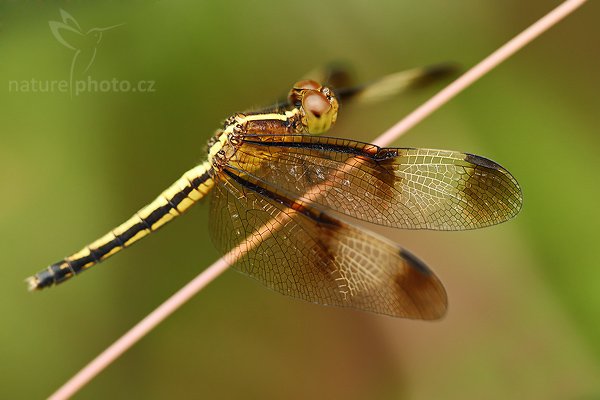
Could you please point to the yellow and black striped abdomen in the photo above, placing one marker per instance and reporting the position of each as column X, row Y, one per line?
column 171, row 203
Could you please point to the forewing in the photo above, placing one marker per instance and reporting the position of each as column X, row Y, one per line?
column 305, row 253
column 398, row 187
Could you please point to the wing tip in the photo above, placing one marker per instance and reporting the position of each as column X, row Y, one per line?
column 482, row 162
column 436, row 72
column 517, row 195
column 415, row 262
column 428, row 293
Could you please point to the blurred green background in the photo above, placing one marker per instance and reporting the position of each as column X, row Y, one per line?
column 524, row 317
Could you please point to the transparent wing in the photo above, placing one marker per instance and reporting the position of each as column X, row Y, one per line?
column 397, row 187
column 340, row 78
column 307, row 254
column 394, row 84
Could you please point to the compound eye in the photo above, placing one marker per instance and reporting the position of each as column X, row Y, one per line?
column 316, row 103
column 307, row 84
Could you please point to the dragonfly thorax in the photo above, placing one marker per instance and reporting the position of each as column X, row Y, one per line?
column 223, row 147
column 312, row 108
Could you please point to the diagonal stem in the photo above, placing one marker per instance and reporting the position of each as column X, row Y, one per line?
column 114, row 351
column 479, row 70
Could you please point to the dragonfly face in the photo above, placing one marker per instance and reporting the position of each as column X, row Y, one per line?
column 318, row 105
column 284, row 200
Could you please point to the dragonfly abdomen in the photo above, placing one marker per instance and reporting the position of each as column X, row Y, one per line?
column 171, row 203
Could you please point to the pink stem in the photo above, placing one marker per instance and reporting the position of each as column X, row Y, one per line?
column 192, row 288
column 472, row 75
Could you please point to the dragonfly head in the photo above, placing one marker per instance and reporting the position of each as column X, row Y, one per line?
column 317, row 104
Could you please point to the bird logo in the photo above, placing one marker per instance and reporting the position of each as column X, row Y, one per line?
column 68, row 32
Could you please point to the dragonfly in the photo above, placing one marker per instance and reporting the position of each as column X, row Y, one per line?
column 291, row 201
